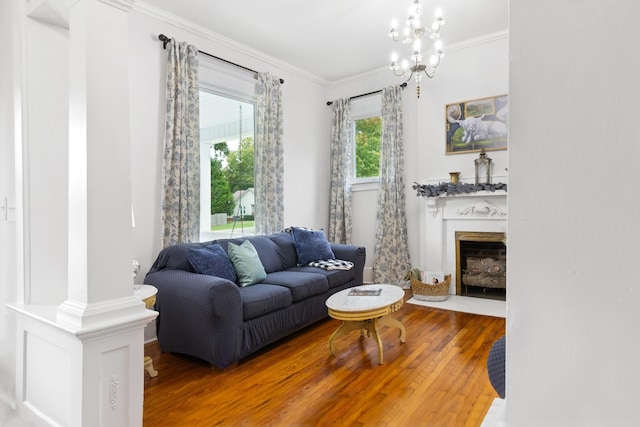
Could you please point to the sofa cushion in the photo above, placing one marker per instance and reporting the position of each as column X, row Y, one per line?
column 334, row 277
column 268, row 251
column 174, row 257
column 311, row 245
column 286, row 249
column 261, row 299
column 247, row 263
column 301, row 284
column 212, row 260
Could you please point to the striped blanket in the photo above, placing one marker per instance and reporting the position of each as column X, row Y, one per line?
column 332, row 264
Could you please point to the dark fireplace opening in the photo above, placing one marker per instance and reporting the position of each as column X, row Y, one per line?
column 481, row 265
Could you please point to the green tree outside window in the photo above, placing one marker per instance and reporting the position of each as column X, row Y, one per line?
column 367, row 141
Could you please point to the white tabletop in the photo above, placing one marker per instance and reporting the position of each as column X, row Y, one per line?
column 342, row 301
column 144, row 291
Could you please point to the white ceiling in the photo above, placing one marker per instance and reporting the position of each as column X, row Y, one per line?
column 333, row 39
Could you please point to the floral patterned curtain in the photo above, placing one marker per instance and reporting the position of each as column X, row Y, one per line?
column 269, row 158
column 340, row 191
column 391, row 254
column 181, row 161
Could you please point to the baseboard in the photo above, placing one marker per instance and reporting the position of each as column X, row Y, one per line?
column 367, row 275
column 7, row 400
column 496, row 415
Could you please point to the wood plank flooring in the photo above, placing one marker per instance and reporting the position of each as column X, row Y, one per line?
column 438, row 378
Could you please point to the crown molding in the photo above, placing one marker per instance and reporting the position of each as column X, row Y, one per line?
column 124, row 5
column 487, row 38
column 183, row 24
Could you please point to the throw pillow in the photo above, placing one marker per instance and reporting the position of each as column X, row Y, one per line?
column 311, row 245
column 247, row 263
column 212, row 260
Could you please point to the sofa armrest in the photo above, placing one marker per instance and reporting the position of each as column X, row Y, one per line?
column 199, row 315
column 356, row 254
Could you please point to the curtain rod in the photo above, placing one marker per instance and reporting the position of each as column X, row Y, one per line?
column 164, row 39
column 403, row 85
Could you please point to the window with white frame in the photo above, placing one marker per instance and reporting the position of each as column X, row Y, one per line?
column 367, row 134
column 227, row 204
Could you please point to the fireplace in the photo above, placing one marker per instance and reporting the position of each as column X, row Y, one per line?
column 474, row 216
column 481, row 264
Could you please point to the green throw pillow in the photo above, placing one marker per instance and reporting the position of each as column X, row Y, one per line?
column 247, row 263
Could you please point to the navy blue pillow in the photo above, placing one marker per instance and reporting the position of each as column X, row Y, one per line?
column 311, row 245
column 212, row 260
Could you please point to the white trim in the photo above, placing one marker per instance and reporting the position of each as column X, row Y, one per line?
column 488, row 38
column 162, row 15
column 154, row 12
column 124, row 5
column 116, row 324
column 7, row 400
column 361, row 109
column 371, row 185
column 496, row 415
column 21, row 147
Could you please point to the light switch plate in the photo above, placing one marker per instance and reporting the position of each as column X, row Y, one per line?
column 10, row 203
column 3, row 209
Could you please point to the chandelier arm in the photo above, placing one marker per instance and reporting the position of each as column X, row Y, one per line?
column 430, row 72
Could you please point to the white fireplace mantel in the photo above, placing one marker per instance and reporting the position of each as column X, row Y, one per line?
column 483, row 211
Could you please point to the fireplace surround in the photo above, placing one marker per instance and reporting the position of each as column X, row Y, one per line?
column 484, row 212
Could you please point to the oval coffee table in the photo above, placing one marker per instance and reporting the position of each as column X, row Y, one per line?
column 366, row 312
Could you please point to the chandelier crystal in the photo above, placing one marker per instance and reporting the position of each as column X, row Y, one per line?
column 412, row 37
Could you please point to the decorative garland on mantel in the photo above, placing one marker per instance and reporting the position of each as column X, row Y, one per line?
column 450, row 189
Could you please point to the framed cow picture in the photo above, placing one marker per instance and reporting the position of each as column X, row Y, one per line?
column 477, row 124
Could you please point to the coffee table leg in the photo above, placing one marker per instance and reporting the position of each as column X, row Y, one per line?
column 376, row 336
column 344, row 329
column 390, row 321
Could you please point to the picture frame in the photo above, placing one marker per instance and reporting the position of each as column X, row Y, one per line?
column 477, row 124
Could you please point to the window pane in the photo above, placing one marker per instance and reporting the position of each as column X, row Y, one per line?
column 367, row 140
column 226, row 138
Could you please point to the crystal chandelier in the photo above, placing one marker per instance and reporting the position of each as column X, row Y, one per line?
column 412, row 36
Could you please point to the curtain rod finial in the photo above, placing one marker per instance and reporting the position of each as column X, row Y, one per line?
column 164, row 39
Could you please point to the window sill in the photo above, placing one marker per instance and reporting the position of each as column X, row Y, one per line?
column 365, row 186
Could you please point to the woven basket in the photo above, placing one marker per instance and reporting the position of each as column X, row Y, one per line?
column 429, row 292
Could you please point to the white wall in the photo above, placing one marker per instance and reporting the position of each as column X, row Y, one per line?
column 306, row 134
column 47, row 126
column 365, row 196
column 471, row 70
column 573, row 298
column 468, row 71
column 307, row 124
column 475, row 69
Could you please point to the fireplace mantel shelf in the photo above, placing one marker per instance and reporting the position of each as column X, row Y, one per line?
column 476, row 194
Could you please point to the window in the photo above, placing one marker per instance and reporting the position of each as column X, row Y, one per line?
column 367, row 141
column 226, row 166
column 367, row 134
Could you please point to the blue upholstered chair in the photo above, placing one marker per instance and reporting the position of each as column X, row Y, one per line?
column 496, row 366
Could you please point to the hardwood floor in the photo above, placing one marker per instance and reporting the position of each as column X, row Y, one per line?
column 437, row 378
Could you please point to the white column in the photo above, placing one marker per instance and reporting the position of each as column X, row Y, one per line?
column 100, row 237
column 80, row 363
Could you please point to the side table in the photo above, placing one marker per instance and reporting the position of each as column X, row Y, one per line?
column 147, row 294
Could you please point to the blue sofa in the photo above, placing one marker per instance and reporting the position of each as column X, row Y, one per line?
column 216, row 320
